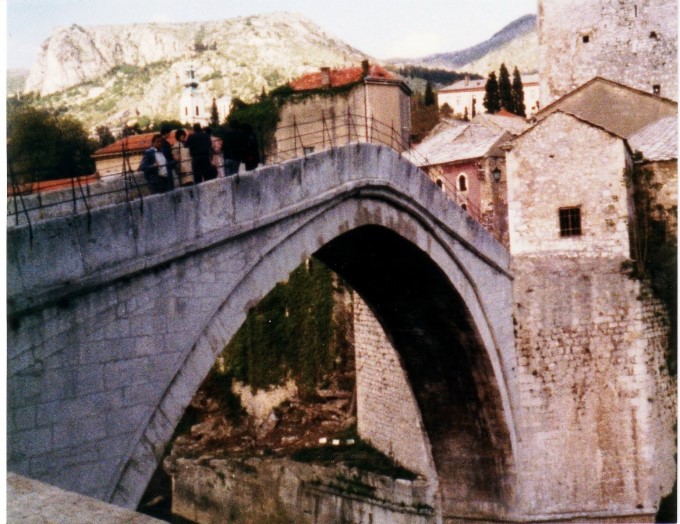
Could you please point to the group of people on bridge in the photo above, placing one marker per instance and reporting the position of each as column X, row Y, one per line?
column 197, row 156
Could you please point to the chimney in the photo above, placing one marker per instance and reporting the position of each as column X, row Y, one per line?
column 325, row 77
column 365, row 67
column 467, row 79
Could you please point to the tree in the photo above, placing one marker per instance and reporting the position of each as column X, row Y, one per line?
column 44, row 145
column 446, row 111
column 105, row 136
column 423, row 117
column 214, row 115
column 491, row 100
column 505, row 89
column 518, row 93
column 429, row 99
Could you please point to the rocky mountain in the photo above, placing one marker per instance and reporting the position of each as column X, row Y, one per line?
column 515, row 44
column 98, row 73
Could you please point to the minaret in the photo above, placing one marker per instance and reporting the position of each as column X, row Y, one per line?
column 194, row 107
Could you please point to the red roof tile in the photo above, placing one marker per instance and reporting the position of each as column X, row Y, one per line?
column 340, row 77
column 505, row 112
column 133, row 144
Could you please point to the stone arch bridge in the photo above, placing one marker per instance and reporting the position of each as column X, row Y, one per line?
column 115, row 319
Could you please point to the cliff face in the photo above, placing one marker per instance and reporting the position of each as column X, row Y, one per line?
column 100, row 72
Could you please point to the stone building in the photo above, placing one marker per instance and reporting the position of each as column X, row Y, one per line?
column 466, row 97
column 592, row 341
column 629, row 41
column 338, row 106
column 657, row 145
column 466, row 161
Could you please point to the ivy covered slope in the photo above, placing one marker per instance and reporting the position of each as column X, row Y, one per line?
column 98, row 73
column 300, row 330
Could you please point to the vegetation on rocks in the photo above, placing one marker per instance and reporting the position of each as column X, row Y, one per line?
column 656, row 249
column 291, row 333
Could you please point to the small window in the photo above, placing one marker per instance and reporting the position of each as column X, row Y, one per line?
column 464, row 207
column 462, row 183
column 439, row 183
column 656, row 89
column 308, row 150
column 186, row 111
column 196, row 110
column 570, row 221
column 653, row 35
column 586, row 39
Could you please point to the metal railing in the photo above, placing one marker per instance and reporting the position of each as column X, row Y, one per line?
column 30, row 202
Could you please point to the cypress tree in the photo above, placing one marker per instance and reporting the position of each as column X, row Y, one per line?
column 429, row 95
column 518, row 93
column 214, row 115
column 505, row 90
column 491, row 101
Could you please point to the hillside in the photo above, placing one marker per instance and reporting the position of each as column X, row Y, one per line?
column 100, row 72
column 515, row 44
column 16, row 79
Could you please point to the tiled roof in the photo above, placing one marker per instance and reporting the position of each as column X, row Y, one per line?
column 455, row 143
column 657, row 141
column 133, row 144
column 341, row 77
column 464, row 85
column 502, row 121
column 469, row 85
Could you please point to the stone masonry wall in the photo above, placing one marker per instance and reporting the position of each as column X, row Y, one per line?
column 598, row 405
column 387, row 411
column 633, row 42
column 565, row 162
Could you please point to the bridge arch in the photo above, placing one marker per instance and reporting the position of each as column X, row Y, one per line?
column 372, row 217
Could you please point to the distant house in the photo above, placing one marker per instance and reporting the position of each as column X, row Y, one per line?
column 110, row 160
column 338, row 106
column 466, row 161
column 466, row 97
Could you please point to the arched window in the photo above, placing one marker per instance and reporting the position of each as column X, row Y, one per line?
column 440, row 184
column 462, row 183
column 196, row 110
column 186, row 111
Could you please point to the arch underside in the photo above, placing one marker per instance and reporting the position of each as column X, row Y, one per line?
column 449, row 371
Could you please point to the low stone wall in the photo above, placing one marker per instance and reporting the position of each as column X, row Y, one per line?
column 281, row 490
column 75, row 199
column 31, row 501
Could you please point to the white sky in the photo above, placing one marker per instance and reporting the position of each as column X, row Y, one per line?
column 380, row 28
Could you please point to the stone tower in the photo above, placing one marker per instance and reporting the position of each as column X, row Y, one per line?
column 633, row 42
column 194, row 106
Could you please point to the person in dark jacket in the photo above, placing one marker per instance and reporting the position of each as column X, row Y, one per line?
column 233, row 145
column 251, row 151
column 200, row 147
column 166, row 148
column 155, row 166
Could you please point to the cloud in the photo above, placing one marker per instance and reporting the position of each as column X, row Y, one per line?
column 416, row 45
